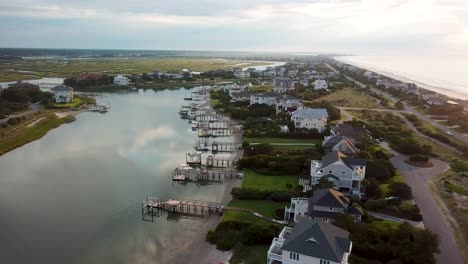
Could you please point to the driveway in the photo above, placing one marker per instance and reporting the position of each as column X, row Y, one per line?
column 417, row 179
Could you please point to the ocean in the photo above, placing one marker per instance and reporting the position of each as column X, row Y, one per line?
column 444, row 74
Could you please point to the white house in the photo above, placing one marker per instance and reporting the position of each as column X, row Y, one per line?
column 62, row 94
column 310, row 242
column 239, row 74
column 320, row 84
column 292, row 73
column 268, row 98
column 288, row 104
column 310, row 118
column 347, row 173
column 121, row 80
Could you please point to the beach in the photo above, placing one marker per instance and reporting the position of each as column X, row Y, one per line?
column 428, row 73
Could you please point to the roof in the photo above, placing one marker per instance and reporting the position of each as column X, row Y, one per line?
column 240, row 94
column 318, row 239
column 329, row 198
column 349, row 131
column 62, row 88
column 335, row 156
column 345, row 145
column 355, row 209
column 268, row 94
column 310, row 113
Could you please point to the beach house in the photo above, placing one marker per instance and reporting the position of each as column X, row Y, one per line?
column 345, row 172
column 121, row 80
column 268, row 98
column 312, row 241
column 310, row 118
column 62, row 94
column 320, row 85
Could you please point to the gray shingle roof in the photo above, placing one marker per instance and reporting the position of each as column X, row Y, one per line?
column 329, row 197
column 318, row 239
column 335, row 156
column 268, row 94
column 62, row 87
column 349, row 131
column 310, row 113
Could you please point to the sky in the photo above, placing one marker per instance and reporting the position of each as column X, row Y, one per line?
column 340, row 26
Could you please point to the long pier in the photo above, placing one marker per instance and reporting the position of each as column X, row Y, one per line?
column 193, row 207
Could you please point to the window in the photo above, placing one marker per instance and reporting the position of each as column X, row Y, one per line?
column 330, row 172
column 295, row 256
column 322, row 261
column 343, row 172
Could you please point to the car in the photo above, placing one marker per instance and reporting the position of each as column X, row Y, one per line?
column 449, row 133
column 392, row 199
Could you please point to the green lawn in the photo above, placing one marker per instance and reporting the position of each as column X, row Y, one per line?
column 263, row 207
column 265, row 182
column 231, row 215
column 250, row 254
column 292, row 147
column 77, row 102
column 268, row 140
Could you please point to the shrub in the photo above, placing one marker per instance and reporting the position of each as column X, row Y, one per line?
column 418, row 158
column 401, row 190
column 4, row 125
column 374, row 205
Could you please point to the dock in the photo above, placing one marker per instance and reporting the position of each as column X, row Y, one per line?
column 154, row 205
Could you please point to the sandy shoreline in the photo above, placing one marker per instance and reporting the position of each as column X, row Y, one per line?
column 445, row 91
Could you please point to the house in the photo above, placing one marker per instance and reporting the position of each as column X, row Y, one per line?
column 284, row 85
column 310, row 118
column 174, row 75
column 269, row 72
column 280, row 71
column 238, row 73
column 121, row 80
column 240, row 97
column 268, row 98
column 312, row 241
column 339, row 143
column 62, row 94
column 288, row 104
column 331, row 74
column 292, row 73
column 353, row 133
column 347, row 173
column 320, row 84
column 325, row 204
column 304, row 81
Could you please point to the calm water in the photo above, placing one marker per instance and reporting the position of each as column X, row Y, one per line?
column 75, row 195
column 444, row 74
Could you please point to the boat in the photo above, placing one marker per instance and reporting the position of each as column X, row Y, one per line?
column 202, row 148
column 194, row 124
column 188, row 98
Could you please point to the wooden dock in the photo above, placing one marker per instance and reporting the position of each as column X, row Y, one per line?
column 191, row 207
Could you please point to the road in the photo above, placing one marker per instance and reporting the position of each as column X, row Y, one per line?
column 418, row 179
column 33, row 108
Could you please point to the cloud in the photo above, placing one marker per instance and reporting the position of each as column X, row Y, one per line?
column 297, row 25
column 147, row 137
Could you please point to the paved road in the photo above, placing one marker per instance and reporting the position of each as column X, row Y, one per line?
column 417, row 179
column 33, row 108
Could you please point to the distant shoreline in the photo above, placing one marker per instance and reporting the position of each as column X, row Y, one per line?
column 442, row 90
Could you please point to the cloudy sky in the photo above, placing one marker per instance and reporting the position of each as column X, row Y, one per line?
column 352, row 26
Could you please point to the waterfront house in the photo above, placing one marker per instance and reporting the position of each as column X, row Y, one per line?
column 121, row 80
column 346, row 173
column 62, row 94
column 268, row 98
column 310, row 118
column 339, row 143
column 240, row 97
column 320, row 85
column 353, row 133
column 325, row 204
column 288, row 104
column 312, row 241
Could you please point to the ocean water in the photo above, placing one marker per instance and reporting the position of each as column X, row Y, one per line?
column 445, row 74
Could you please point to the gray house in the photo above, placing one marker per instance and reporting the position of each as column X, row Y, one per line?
column 310, row 242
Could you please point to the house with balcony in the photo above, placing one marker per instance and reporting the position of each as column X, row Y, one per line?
column 310, row 118
column 347, row 173
column 62, row 94
column 288, row 104
column 351, row 132
column 325, row 205
column 311, row 241
column 268, row 98
column 240, row 97
column 121, row 80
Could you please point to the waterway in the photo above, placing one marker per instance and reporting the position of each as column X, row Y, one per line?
column 75, row 195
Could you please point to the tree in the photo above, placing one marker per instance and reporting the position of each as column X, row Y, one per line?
column 373, row 189
column 399, row 105
column 381, row 170
column 324, row 183
column 401, row 190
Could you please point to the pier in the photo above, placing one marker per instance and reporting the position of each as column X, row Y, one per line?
column 153, row 206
